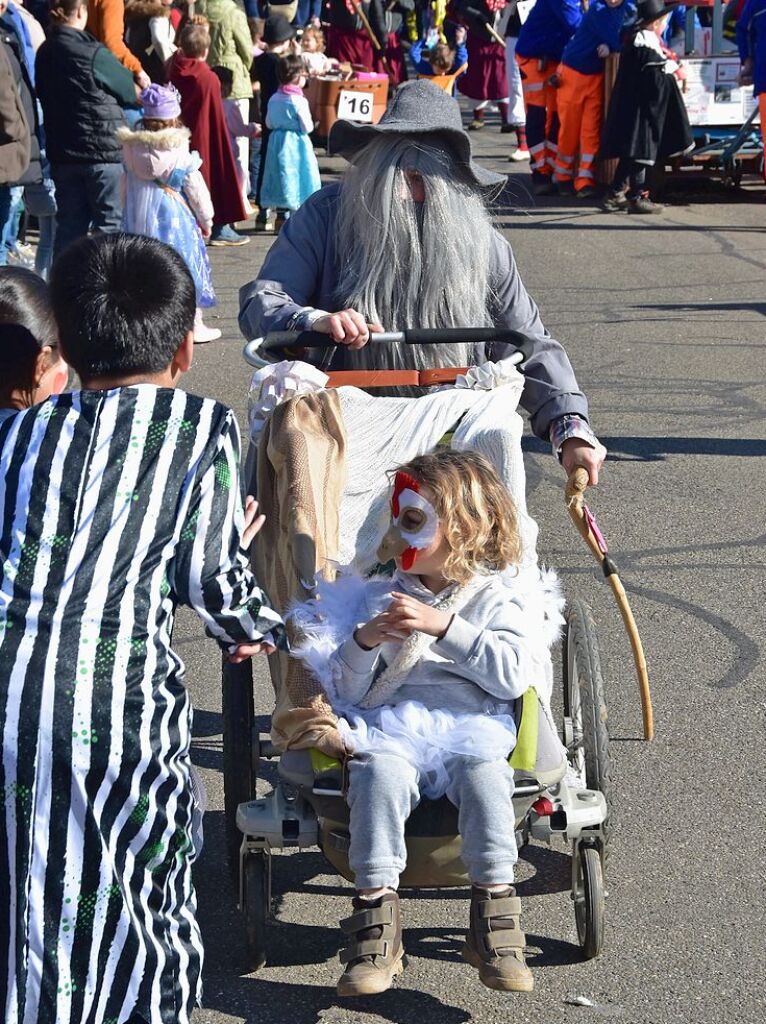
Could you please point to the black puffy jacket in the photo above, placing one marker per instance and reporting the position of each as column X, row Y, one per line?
column 81, row 118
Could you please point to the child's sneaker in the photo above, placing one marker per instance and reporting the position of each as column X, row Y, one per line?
column 226, row 235
column 202, row 333
column 495, row 942
column 373, row 954
column 522, row 153
column 643, row 204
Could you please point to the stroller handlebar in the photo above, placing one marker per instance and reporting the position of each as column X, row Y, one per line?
column 256, row 349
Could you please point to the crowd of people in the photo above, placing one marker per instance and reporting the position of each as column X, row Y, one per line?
column 81, row 71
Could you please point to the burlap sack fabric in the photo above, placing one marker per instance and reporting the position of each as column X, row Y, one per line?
column 299, row 540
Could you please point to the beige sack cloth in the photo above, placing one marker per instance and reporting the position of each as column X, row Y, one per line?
column 301, row 475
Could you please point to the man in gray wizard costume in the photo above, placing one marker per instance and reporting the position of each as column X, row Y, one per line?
column 406, row 240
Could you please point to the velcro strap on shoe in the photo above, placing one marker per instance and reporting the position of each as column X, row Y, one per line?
column 370, row 947
column 506, row 906
column 367, row 919
column 506, row 938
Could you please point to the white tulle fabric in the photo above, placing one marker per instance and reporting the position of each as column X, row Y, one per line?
column 272, row 385
column 428, row 739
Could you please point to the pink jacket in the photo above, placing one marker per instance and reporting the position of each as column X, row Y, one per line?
column 154, row 156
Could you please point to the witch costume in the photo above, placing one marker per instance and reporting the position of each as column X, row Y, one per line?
column 647, row 120
column 115, row 507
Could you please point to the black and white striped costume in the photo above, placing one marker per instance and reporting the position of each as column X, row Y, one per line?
column 115, row 506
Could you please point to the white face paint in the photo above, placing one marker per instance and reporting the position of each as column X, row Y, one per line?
column 417, row 521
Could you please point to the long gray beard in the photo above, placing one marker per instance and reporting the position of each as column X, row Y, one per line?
column 407, row 264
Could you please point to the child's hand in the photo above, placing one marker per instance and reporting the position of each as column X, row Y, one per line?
column 407, row 615
column 602, row 50
column 255, row 130
column 378, row 631
column 245, row 651
column 461, row 34
column 253, row 522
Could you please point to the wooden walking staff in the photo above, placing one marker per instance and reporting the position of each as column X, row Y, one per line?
column 372, row 37
column 591, row 534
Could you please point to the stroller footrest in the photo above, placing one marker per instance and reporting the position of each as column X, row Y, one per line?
column 277, row 822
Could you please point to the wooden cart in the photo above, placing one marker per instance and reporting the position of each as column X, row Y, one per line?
column 355, row 99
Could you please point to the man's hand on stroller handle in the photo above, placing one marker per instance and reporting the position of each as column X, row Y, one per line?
column 577, row 452
column 346, row 327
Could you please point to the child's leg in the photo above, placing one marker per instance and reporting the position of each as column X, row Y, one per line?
column 762, row 110
column 483, row 793
column 383, row 791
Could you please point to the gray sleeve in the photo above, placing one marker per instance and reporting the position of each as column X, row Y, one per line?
column 497, row 658
column 550, row 388
column 355, row 670
column 289, row 280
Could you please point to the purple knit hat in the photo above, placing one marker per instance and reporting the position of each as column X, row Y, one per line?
column 162, row 102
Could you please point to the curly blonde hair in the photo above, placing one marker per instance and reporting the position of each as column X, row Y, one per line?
column 475, row 510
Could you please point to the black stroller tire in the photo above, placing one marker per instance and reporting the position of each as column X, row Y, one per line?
column 589, row 900
column 255, row 906
column 238, row 715
column 585, row 707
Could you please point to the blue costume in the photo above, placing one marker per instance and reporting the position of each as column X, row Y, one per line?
column 291, row 173
column 751, row 40
column 549, row 27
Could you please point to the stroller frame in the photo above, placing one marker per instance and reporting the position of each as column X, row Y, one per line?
column 571, row 805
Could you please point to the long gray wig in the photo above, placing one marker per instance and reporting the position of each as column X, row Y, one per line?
column 407, row 264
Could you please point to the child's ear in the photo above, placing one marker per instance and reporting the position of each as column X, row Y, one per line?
column 184, row 355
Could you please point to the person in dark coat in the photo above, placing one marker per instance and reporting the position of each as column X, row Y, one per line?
column 647, row 120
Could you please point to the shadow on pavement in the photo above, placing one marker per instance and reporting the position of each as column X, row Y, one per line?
column 652, row 449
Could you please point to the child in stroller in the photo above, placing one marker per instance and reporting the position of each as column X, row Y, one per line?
column 424, row 687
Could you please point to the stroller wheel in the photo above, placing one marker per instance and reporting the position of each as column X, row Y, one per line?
column 256, row 905
column 586, row 734
column 588, row 895
column 238, row 716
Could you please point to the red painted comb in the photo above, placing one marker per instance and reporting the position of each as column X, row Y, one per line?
column 402, row 482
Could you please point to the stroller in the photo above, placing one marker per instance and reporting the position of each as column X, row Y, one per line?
column 562, row 785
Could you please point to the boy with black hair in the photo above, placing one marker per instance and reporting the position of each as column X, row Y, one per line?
column 120, row 502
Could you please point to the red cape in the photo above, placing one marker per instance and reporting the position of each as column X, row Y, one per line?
column 202, row 113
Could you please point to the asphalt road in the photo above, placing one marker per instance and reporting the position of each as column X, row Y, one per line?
column 665, row 322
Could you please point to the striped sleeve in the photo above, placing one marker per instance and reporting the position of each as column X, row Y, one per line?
column 211, row 573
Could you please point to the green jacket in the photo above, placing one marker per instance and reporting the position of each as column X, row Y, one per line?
column 230, row 42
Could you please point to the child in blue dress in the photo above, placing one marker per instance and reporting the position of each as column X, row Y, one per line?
column 165, row 194
column 291, row 174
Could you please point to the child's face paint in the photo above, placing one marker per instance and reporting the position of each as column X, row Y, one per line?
column 414, row 524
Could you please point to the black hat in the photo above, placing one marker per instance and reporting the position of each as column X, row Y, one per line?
column 277, row 29
column 648, row 11
column 418, row 108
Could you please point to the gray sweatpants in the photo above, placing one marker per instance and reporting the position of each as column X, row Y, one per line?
column 384, row 790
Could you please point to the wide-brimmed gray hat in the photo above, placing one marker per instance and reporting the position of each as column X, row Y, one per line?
column 418, row 108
